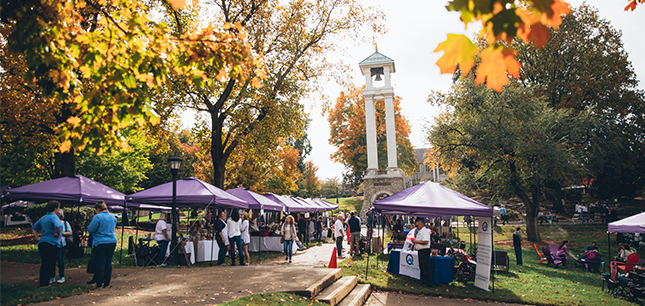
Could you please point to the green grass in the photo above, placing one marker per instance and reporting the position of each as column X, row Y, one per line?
column 347, row 204
column 20, row 294
column 273, row 299
column 535, row 284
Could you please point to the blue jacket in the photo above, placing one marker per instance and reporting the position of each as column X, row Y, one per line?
column 102, row 227
column 47, row 226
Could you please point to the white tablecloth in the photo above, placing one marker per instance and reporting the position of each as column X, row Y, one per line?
column 190, row 250
column 205, row 249
column 271, row 244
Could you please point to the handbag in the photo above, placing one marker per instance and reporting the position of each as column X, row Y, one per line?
column 69, row 240
column 281, row 239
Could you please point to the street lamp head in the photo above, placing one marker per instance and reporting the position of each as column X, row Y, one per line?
column 175, row 163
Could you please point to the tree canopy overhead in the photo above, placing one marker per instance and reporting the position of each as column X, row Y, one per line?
column 101, row 58
column 293, row 38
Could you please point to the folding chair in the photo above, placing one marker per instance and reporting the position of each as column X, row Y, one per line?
column 542, row 258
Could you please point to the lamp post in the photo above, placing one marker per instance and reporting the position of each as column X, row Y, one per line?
column 175, row 163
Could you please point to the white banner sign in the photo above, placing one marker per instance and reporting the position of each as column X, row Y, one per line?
column 484, row 253
column 409, row 264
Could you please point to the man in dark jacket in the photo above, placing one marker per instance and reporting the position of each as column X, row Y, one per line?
column 517, row 244
column 302, row 229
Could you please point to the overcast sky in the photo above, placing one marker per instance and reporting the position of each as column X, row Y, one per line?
column 415, row 28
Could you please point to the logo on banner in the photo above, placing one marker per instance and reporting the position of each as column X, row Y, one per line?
column 485, row 226
column 409, row 260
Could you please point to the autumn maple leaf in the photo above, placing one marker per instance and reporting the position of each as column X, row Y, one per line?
column 496, row 63
column 458, row 49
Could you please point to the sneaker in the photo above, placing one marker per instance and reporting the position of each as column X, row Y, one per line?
column 52, row 280
column 289, row 261
column 61, row 280
column 286, row 258
column 163, row 265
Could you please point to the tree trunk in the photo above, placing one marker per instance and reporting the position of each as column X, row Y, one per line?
column 64, row 164
column 217, row 152
column 555, row 195
column 532, row 206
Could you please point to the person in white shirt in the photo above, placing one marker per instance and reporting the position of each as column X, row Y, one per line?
column 422, row 244
column 339, row 229
column 246, row 238
column 162, row 236
column 233, row 226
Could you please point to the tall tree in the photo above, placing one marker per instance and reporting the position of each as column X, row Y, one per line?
column 309, row 185
column 347, row 121
column 512, row 141
column 293, row 38
column 100, row 59
column 584, row 67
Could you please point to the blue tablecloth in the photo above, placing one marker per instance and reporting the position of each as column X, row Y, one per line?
column 443, row 267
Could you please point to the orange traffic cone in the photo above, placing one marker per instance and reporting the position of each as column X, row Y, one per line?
column 332, row 262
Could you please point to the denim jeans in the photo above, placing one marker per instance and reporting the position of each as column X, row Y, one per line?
column 103, row 257
column 287, row 246
column 163, row 247
column 48, row 255
column 339, row 245
column 61, row 262
column 221, row 254
column 236, row 243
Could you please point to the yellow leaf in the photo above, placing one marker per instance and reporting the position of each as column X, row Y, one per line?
column 73, row 121
column 177, row 4
column 458, row 49
column 255, row 83
column 65, row 146
column 496, row 62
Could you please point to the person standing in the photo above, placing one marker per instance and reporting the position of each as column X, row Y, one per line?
column 422, row 244
column 102, row 227
column 66, row 237
column 218, row 227
column 339, row 230
column 319, row 228
column 517, row 245
column 502, row 214
column 234, row 226
column 302, row 228
column 288, row 236
column 162, row 236
column 355, row 234
column 50, row 230
column 246, row 238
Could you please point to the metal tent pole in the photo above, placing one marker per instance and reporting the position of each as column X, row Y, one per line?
column 125, row 211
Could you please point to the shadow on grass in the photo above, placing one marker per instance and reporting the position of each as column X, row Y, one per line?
column 20, row 294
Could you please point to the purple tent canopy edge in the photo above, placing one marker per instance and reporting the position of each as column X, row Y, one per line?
column 432, row 199
column 256, row 201
column 633, row 224
column 78, row 189
column 191, row 192
column 289, row 204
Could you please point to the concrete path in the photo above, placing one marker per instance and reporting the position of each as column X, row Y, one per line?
column 316, row 256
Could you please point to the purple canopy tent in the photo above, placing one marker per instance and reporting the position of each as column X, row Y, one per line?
column 77, row 189
column 18, row 204
column 326, row 204
column 431, row 199
column 256, row 201
column 633, row 224
column 191, row 192
column 313, row 206
column 288, row 203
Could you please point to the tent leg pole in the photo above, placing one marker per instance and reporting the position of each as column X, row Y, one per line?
column 125, row 211
column 608, row 251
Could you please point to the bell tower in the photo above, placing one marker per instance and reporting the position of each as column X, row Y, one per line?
column 377, row 69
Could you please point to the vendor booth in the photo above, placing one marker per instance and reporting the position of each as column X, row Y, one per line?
column 430, row 200
column 192, row 193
